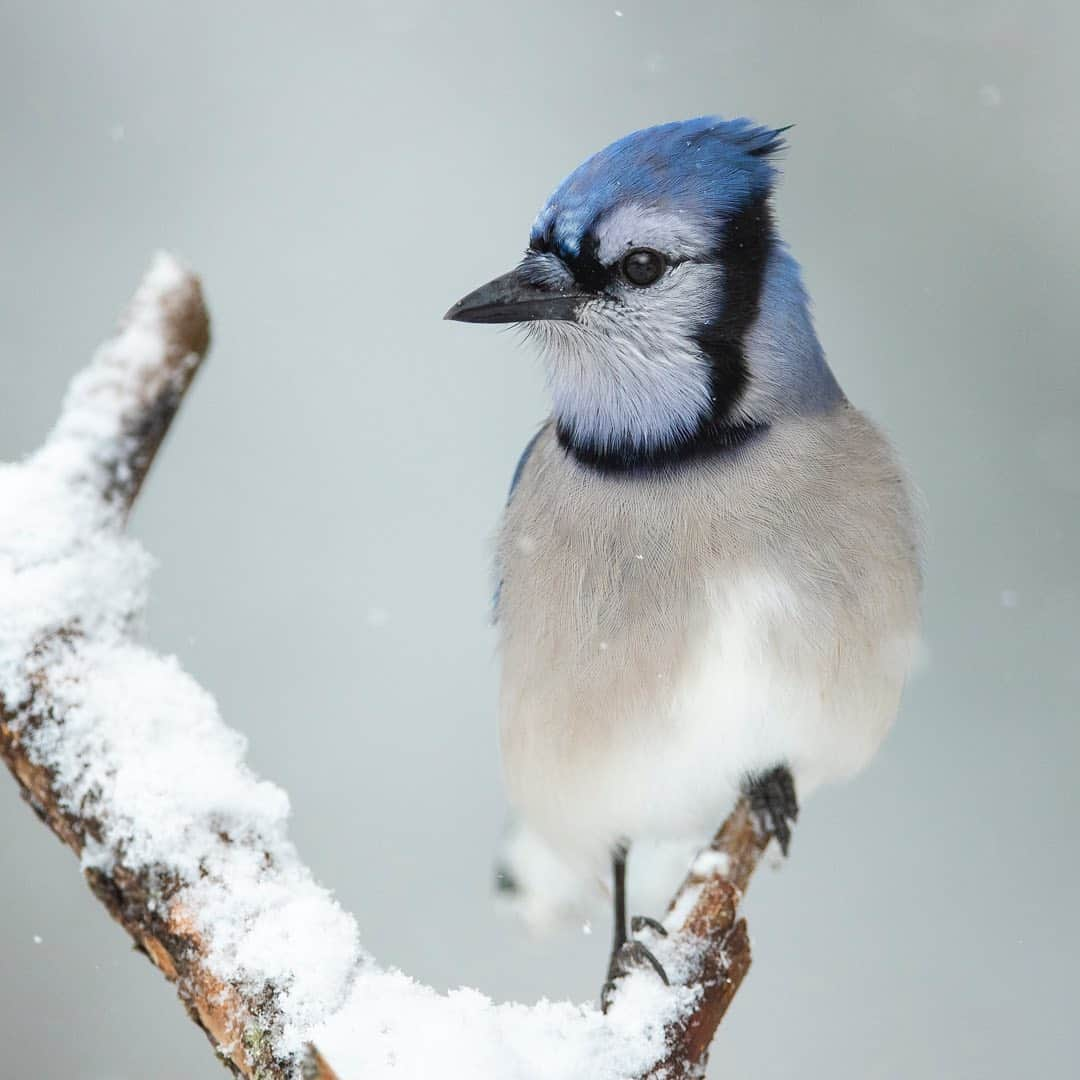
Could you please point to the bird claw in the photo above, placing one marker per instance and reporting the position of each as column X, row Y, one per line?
column 642, row 922
column 774, row 804
column 630, row 956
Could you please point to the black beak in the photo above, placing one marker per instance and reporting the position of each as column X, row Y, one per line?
column 511, row 298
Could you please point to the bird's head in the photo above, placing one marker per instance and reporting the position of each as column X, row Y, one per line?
column 672, row 321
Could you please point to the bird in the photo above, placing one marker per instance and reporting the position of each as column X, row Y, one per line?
column 709, row 565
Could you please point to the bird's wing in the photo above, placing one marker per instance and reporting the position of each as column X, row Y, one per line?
column 519, row 468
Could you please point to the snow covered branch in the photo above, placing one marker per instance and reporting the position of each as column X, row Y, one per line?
column 128, row 762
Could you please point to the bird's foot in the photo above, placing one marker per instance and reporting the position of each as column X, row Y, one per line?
column 643, row 922
column 773, row 803
column 630, row 956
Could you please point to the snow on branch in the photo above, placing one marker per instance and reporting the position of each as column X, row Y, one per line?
column 128, row 762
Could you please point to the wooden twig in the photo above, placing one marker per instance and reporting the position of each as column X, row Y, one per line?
column 116, row 417
column 714, row 937
column 136, row 402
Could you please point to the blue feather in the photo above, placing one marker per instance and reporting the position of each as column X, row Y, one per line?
column 519, row 468
column 707, row 165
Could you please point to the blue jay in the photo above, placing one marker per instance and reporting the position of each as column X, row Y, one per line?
column 709, row 566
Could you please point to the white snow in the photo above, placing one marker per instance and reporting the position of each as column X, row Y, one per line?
column 393, row 1027
column 711, row 862
column 136, row 743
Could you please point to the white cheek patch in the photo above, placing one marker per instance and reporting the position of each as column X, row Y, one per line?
column 629, row 372
column 680, row 236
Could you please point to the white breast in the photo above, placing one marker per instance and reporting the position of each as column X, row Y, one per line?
column 661, row 641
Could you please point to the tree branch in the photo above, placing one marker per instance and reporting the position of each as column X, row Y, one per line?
column 124, row 758
column 712, row 937
column 114, row 419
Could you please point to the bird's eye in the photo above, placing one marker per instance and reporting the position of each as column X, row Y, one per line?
column 642, row 266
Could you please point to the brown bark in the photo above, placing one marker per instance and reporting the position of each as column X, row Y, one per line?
column 146, row 401
column 718, row 941
column 145, row 902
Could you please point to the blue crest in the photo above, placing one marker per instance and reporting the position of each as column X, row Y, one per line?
column 708, row 165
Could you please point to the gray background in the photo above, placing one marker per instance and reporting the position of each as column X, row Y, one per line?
column 323, row 510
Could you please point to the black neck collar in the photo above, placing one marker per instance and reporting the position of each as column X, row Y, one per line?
column 708, row 441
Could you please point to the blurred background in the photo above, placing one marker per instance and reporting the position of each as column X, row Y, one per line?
column 324, row 507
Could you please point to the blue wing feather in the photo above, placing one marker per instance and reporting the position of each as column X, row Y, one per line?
column 518, row 470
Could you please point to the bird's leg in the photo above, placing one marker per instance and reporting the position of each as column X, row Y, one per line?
column 773, row 802
column 618, row 873
column 626, row 953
